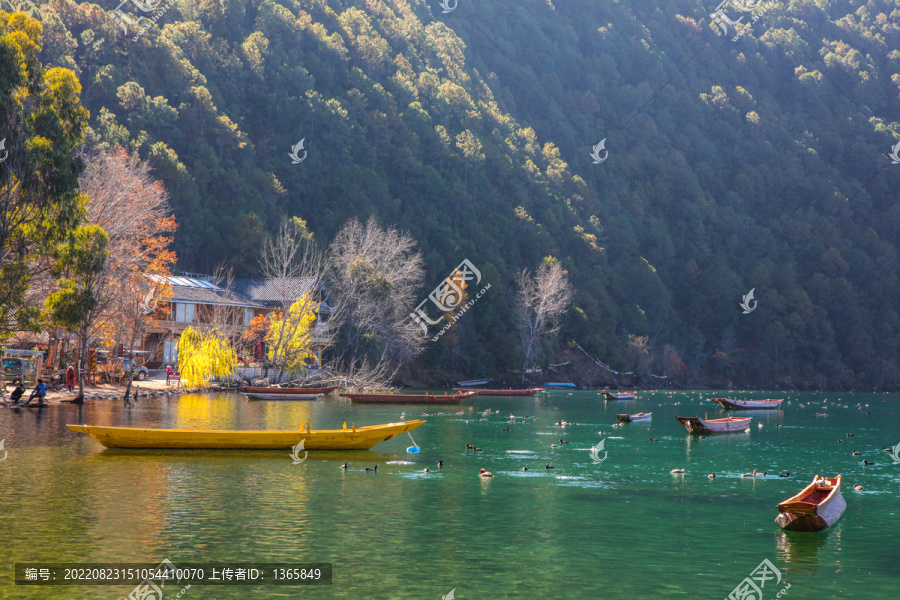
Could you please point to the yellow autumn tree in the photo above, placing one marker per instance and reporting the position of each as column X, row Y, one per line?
column 290, row 339
column 202, row 355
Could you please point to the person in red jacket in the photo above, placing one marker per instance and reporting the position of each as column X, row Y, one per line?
column 70, row 378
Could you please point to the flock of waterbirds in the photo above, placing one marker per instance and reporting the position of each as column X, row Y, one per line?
column 521, row 419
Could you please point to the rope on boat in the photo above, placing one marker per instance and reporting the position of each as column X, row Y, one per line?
column 411, row 438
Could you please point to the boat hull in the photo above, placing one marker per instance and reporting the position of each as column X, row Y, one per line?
column 729, row 403
column 799, row 514
column 610, row 396
column 360, row 438
column 289, row 391
column 704, row 426
column 528, row 392
column 288, row 397
column 626, row 418
column 410, row 398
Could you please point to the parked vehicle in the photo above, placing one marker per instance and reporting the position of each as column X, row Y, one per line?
column 22, row 369
column 140, row 371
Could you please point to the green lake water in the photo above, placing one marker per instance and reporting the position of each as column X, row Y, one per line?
column 622, row 529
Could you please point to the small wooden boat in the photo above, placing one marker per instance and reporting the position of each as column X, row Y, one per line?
column 262, row 396
column 816, row 508
column 621, row 396
column 626, row 418
column 411, row 398
column 747, row 404
column 726, row 425
column 528, row 392
column 355, row 438
column 560, row 385
column 473, row 382
column 281, row 390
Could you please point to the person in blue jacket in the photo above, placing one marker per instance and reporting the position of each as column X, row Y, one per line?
column 40, row 390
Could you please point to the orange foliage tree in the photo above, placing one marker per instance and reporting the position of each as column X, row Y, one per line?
column 133, row 209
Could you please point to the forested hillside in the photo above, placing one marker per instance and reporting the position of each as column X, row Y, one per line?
column 755, row 163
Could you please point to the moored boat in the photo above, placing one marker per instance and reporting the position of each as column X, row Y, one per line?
column 816, row 508
column 355, row 438
column 281, row 390
column 480, row 392
column 747, row 404
column 621, row 396
column 410, row 398
column 559, row 385
column 726, row 425
column 636, row 418
column 265, row 396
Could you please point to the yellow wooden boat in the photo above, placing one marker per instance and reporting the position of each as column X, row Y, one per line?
column 353, row 438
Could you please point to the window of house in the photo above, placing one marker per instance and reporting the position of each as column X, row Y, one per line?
column 170, row 352
column 248, row 315
column 184, row 313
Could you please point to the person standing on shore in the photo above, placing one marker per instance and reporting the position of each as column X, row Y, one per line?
column 70, row 378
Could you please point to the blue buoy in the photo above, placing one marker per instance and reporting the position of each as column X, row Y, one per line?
column 413, row 450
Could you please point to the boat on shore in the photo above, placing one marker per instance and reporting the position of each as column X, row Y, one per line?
column 620, row 396
column 816, row 508
column 280, row 390
column 486, row 392
column 726, row 425
column 570, row 386
column 410, row 398
column 355, row 438
column 747, row 404
column 473, row 382
column 636, row 418
column 268, row 396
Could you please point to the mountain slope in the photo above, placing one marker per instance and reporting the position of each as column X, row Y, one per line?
column 759, row 163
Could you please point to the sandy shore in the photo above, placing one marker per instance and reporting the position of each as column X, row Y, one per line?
column 104, row 391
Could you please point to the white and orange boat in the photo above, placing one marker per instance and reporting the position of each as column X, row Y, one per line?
column 816, row 508
column 747, row 404
column 726, row 425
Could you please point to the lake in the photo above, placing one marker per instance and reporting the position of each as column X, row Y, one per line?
column 621, row 528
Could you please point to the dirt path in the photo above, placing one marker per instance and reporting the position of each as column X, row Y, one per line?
column 103, row 391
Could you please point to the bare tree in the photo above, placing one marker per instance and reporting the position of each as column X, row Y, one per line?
column 292, row 263
column 133, row 210
column 374, row 276
column 541, row 302
column 638, row 354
